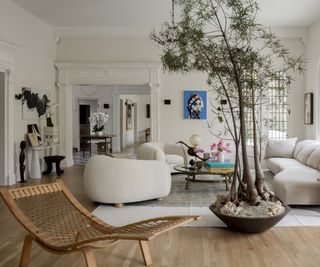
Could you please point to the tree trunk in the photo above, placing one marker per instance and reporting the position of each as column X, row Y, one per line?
column 251, row 191
column 260, row 182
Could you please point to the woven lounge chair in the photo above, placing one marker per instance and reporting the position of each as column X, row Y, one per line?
column 58, row 223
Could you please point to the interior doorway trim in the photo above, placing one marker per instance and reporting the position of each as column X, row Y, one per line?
column 74, row 74
column 7, row 53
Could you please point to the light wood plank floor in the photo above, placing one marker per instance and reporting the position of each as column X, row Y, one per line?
column 185, row 246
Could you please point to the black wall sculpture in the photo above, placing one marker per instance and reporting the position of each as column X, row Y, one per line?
column 33, row 101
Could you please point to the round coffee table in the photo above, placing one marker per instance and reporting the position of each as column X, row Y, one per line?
column 192, row 173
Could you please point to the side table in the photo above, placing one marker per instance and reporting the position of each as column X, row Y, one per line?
column 35, row 170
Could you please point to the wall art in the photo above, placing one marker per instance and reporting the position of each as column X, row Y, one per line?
column 308, row 108
column 195, row 105
column 32, row 105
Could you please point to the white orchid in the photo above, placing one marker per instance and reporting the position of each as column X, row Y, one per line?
column 98, row 119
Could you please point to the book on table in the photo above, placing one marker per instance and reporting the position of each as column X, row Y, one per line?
column 219, row 166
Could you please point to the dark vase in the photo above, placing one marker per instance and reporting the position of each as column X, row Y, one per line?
column 249, row 224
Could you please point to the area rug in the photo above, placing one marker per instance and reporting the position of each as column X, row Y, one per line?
column 194, row 201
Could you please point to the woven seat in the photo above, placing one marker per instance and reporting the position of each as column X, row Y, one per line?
column 58, row 222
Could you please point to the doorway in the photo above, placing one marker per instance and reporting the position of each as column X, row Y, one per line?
column 84, row 124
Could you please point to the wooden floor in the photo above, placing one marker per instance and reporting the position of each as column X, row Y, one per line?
column 185, row 246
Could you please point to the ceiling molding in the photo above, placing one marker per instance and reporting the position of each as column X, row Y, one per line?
column 116, row 32
column 290, row 32
column 133, row 32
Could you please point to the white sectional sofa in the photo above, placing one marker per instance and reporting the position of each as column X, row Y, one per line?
column 296, row 173
column 172, row 154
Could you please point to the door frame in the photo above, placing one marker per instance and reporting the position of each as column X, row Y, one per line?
column 7, row 54
column 74, row 74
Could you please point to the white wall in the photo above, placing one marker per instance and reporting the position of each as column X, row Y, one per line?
column 312, row 75
column 34, row 60
column 172, row 125
column 2, row 122
column 296, row 104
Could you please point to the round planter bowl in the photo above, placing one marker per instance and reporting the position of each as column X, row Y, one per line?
column 249, row 224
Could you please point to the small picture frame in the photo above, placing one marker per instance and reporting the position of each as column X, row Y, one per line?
column 308, row 108
column 33, row 139
column 33, row 128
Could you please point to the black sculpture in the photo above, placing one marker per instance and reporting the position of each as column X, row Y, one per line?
column 22, row 157
column 33, row 101
column 191, row 151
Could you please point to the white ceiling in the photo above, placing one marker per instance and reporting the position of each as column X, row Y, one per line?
column 151, row 13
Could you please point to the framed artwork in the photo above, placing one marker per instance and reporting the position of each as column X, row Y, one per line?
column 195, row 105
column 34, row 130
column 308, row 108
column 129, row 106
column 33, row 139
column 34, row 105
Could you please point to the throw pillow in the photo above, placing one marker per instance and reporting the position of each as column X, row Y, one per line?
column 280, row 148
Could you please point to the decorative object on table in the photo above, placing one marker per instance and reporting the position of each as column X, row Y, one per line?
column 49, row 114
column 22, row 158
column 195, row 150
column 219, row 148
column 33, row 129
column 213, row 165
column 53, row 159
column 50, row 135
column 308, row 108
column 195, row 140
column 239, row 67
column 195, row 105
column 33, row 139
column 98, row 119
column 32, row 104
column 129, row 105
column 191, row 151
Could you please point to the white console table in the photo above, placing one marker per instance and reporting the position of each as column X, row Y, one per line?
column 35, row 171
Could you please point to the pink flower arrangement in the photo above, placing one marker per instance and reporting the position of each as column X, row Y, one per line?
column 199, row 151
column 219, row 147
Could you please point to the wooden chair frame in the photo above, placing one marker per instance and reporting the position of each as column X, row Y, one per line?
column 58, row 223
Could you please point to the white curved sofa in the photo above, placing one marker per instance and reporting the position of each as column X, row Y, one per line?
column 172, row 154
column 117, row 181
column 295, row 180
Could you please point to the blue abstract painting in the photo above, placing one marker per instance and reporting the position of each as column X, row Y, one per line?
column 195, row 105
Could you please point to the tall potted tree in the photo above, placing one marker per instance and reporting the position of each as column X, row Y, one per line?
column 240, row 57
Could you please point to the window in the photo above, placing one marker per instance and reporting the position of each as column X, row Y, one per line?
column 276, row 124
column 277, row 108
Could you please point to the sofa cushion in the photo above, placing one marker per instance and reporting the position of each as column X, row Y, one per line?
column 306, row 152
column 298, row 186
column 280, row 148
column 174, row 159
column 313, row 160
column 276, row 165
column 300, row 145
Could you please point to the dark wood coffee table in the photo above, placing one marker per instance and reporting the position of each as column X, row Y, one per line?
column 192, row 174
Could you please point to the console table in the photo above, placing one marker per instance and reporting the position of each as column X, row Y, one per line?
column 107, row 140
column 35, row 171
